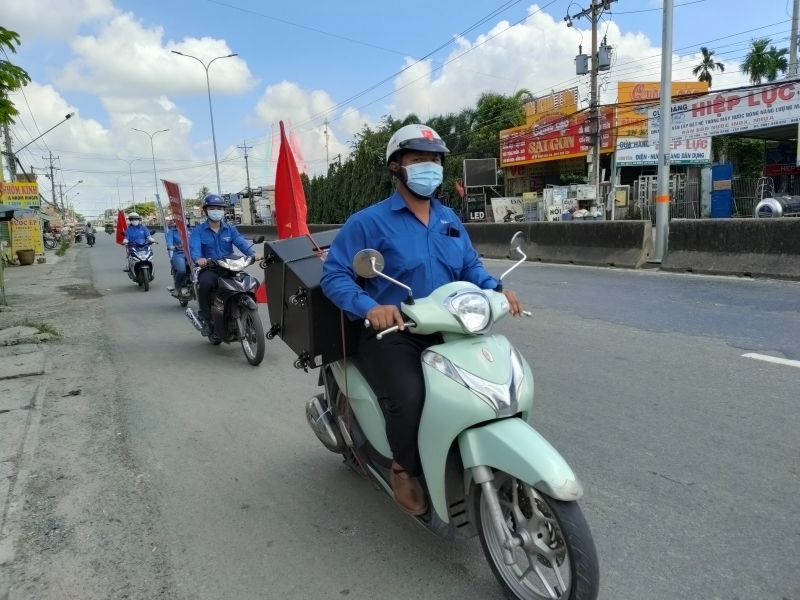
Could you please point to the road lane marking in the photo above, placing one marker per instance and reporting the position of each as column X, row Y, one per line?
column 772, row 359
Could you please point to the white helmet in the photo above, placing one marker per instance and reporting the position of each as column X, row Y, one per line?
column 134, row 215
column 415, row 137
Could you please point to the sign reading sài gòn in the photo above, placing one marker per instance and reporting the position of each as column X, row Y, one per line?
column 748, row 109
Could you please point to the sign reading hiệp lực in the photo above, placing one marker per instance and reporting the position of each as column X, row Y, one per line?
column 748, row 109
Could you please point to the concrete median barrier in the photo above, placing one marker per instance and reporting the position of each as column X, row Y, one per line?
column 626, row 244
column 743, row 247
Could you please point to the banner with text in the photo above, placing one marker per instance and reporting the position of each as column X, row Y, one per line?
column 748, row 109
column 507, row 210
column 635, row 152
column 554, row 137
column 179, row 213
column 636, row 98
column 19, row 195
column 26, row 234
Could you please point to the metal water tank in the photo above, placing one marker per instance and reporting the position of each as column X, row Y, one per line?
column 784, row 206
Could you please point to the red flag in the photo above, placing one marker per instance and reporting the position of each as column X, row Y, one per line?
column 179, row 213
column 290, row 199
column 122, row 225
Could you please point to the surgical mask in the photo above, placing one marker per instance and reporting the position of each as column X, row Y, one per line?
column 135, row 222
column 424, row 178
column 216, row 215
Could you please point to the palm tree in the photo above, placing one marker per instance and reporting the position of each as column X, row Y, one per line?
column 764, row 61
column 707, row 65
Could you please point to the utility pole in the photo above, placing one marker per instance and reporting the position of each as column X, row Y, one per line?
column 53, row 186
column 245, row 147
column 664, row 136
column 9, row 152
column 327, row 158
column 793, row 39
column 596, row 8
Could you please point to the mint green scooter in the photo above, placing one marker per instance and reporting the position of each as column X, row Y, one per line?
column 486, row 471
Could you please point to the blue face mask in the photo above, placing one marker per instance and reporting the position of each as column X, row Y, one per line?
column 216, row 215
column 424, row 178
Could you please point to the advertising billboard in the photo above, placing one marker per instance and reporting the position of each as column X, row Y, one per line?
column 636, row 98
column 635, row 152
column 19, row 195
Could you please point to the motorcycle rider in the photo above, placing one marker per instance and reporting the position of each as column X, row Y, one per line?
column 178, row 259
column 425, row 246
column 212, row 240
column 136, row 234
column 90, row 231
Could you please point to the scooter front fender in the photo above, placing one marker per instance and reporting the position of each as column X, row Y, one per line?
column 516, row 448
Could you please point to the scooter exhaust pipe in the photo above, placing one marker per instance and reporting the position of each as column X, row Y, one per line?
column 193, row 319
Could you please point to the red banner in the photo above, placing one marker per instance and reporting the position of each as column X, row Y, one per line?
column 555, row 137
column 122, row 225
column 179, row 213
column 290, row 199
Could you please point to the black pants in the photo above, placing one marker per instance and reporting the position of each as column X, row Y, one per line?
column 394, row 369
column 206, row 282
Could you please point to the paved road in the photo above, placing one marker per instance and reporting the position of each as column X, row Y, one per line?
column 689, row 452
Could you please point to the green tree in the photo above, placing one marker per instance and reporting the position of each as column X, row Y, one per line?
column 707, row 66
column 145, row 209
column 764, row 61
column 12, row 77
column 201, row 193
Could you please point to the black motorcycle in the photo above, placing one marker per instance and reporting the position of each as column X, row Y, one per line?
column 90, row 239
column 234, row 311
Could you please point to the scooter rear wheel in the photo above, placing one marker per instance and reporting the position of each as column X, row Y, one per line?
column 557, row 558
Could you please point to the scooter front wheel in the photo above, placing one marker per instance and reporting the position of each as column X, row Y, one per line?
column 251, row 334
column 555, row 556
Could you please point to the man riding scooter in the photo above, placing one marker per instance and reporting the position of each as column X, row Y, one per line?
column 213, row 240
column 178, row 258
column 136, row 234
column 425, row 246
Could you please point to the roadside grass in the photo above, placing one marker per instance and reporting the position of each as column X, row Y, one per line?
column 62, row 250
column 42, row 326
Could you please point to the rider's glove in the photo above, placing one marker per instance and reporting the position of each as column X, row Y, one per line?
column 151, row 239
column 125, row 242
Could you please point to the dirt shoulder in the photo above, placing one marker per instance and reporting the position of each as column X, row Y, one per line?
column 87, row 525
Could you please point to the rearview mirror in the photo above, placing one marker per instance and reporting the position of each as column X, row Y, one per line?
column 368, row 263
column 152, row 232
column 515, row 247
column 258, row 240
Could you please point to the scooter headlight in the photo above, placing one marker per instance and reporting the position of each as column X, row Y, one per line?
column 502, row 397
column 472, row 309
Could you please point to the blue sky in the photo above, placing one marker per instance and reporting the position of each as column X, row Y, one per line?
column 308, row 72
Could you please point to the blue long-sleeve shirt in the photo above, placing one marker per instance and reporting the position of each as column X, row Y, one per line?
column 204, row 243
column 137, row 234
column 424, row 258
column 173, row 237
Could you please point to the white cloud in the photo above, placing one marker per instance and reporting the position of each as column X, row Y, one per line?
column 537, row 54
column 127, row 59
column 306, row 111
column 58, row 19
column 87, row 149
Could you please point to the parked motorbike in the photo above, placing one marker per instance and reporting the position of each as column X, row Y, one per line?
column 78, row 237
column 140, row 263
column 486, row 471
column 51, row 240
column 234, row 311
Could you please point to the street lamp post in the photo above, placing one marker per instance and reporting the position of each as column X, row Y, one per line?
column 130, row 171
column 210, row 111
column 155, row 175
column 119, row 198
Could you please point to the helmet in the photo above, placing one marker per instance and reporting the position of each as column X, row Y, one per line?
column 134, row 215
column 213, row 200
column 415, row 137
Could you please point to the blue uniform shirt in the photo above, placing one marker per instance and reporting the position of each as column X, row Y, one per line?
column 137, row 235
column 204, row 243
column 424, row 258
column 174, row 239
